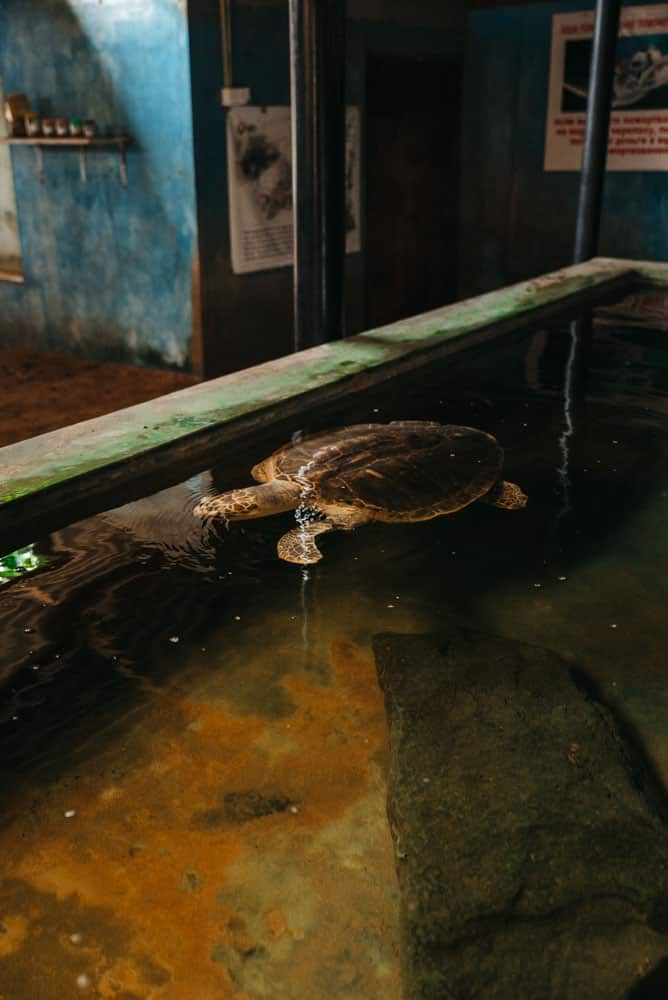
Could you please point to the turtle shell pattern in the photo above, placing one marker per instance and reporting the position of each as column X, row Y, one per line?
column 408, row 470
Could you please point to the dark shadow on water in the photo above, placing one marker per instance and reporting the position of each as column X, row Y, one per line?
column 654, row 986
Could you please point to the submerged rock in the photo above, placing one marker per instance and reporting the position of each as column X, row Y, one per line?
column 529, row 827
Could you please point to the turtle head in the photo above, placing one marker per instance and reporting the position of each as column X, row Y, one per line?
column 506, row 495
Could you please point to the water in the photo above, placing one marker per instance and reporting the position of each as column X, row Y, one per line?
column 193, row 742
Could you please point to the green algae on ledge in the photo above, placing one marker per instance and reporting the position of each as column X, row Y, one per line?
column 56, row 468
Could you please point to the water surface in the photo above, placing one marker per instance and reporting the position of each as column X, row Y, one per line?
column 193, row 741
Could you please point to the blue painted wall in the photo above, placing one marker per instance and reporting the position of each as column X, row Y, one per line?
column 517, row 220
column 245, row 319
column 143, row 273
column 108, row 270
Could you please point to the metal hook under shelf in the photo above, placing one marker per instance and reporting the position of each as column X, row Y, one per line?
column 121, row 142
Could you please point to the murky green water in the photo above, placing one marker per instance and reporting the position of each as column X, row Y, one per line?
column 192, row 742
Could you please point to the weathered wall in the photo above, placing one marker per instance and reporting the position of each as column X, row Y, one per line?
column 517, row 220
column 10, row 252
column 245, row 318
column 124, row 273
column 107, row 268
column 248, row 318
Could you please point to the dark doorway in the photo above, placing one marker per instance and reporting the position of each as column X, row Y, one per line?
column 412, row 188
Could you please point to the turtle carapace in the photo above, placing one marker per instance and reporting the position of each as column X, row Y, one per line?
column 408, row 470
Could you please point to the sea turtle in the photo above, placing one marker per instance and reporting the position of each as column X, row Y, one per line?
column 407, row 470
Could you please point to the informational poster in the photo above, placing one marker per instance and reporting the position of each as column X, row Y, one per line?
column 639, row 115
column 259, row 157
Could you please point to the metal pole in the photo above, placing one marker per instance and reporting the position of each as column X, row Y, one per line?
column 594, row 154
column 317, row 77
column 331, row 45
column 226, row 40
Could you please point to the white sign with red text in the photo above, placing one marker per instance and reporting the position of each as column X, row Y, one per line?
column 639, row 116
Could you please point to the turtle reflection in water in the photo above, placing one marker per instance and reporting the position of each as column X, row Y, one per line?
column 408, row 470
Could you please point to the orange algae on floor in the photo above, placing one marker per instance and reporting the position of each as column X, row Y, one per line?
column 232, row 857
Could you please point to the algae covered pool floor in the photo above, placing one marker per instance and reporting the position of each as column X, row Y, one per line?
column 193, row 741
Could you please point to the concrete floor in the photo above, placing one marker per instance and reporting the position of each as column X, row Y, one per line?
column 42, row 391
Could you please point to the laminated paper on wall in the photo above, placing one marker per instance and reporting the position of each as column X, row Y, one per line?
column 260, row 186
column 639, row 120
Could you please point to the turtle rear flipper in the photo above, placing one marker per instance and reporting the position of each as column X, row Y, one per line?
column 506, row 495
column 254, row 501
column 298, row 546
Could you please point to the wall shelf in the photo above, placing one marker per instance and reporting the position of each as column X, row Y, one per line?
column 15, row 277
column 40, row 142
column 68, row 140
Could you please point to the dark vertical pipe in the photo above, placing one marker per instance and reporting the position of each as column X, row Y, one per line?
column 595, row 152
column 304, row 180
column 317, row 78
column 331, row 44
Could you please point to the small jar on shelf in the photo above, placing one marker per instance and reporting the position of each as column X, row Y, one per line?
column 16, row 108
column 33, row 123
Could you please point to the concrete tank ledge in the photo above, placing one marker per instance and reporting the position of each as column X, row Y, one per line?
column 48, row 476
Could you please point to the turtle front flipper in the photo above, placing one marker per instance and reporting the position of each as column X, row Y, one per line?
column 506, row 495
column 254, row 501
column 298, row 546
